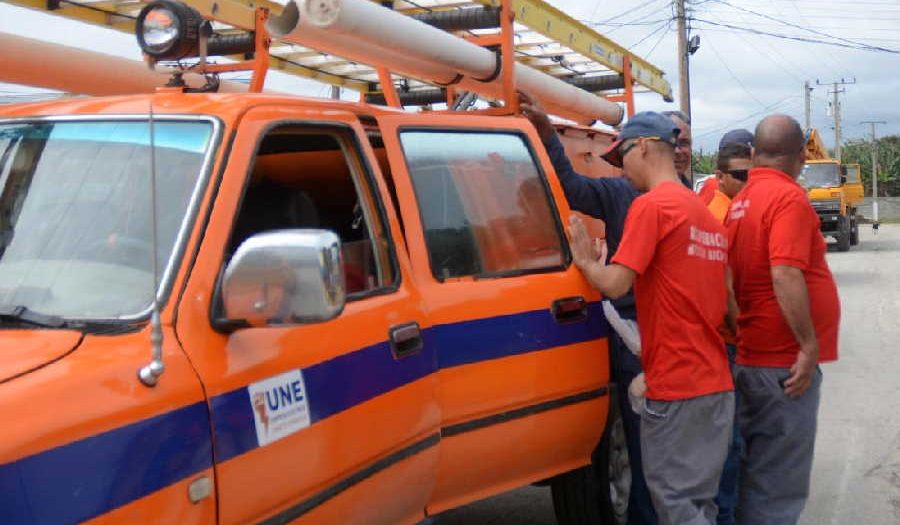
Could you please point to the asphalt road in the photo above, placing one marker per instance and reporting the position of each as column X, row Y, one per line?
column 856, row 474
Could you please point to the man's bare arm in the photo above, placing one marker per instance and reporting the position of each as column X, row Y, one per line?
column 612, row 280
column 793, row 299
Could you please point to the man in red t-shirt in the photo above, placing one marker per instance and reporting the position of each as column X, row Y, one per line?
column 674, row 253
column 788, row 323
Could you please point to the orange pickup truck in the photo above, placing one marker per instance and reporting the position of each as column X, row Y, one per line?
column 366, row 315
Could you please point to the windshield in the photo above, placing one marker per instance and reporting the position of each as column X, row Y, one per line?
column 824, row 175
column 75, row 212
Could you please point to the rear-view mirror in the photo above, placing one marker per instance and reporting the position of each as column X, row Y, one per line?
column 285, row 276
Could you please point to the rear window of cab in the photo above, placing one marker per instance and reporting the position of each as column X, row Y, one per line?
column 486, row 208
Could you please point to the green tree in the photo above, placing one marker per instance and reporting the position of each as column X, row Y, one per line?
column 703, row 162
column 860, row 151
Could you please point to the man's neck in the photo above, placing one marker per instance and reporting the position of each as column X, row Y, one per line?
column 663, row 174
column 779, row 170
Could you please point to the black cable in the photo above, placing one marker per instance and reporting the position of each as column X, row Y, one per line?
column 730, row 72
column 623, row 13
column 813, row 31
column 661, row 37
column 797, row 38
column 719, row 129
column 650, row 34
column 814, row 58
column 626, row 24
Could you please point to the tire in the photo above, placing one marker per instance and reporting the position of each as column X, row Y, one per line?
column 843, row 238
column 854, row 230
column 598, row 493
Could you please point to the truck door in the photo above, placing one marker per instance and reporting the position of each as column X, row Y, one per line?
column 334, row 422
column 519, row 335
column 853, row 187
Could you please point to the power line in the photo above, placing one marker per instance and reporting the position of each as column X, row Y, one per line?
column 748, row 117
column 662, row 27
column 775, row 51
column 633, row 21
column 627, row 24
column 661, row 37
column 813, row 31
column 623, row 13
column 730, row 72
column 797, row 38
column 817, row 59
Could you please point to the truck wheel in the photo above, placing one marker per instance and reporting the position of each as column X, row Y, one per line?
column 854, row 231
column 598, row 493
column 843, row 238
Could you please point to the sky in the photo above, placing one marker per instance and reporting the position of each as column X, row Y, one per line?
column 737, row 75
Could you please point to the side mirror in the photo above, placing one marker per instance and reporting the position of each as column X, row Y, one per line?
column 285, row 276
column 843, row 179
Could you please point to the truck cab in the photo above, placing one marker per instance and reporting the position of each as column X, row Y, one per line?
column 365, row 315
column 221, row 305
column 834, row 191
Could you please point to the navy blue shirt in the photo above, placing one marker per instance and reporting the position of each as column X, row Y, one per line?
column 607, row 199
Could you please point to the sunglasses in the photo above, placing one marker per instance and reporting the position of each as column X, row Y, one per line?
column 624, row 151
column 740, row 175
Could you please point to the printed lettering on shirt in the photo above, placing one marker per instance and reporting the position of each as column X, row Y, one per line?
column 739, row 209
column 708, row 245
column 280, row 406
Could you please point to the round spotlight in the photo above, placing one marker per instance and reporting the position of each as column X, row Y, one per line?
column 168, row 30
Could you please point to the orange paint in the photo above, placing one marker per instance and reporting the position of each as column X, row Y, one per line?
column 392, row 439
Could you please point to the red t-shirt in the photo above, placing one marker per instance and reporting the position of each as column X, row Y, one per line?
column 679, row 252
column 771, row 223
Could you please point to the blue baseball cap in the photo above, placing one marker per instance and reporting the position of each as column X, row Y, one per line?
column 649, row 124
column 737, row 136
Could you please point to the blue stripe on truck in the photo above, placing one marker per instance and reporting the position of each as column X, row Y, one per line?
column 86, row 478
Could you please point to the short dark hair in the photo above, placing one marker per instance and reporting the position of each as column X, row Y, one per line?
column 732, row 150
column 680, row 115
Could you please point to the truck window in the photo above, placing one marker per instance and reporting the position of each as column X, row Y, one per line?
column 485, row 208
column 76, row 217
column 312, row 177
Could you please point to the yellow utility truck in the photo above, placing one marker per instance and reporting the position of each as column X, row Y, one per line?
column 834, row 190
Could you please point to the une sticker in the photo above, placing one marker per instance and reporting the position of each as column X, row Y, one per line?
column 280, row 406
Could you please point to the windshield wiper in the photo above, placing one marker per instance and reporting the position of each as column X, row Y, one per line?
column 22, row 315
column 25, row 315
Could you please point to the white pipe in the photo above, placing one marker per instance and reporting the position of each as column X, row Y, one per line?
column 362, row 31
column 36, row 63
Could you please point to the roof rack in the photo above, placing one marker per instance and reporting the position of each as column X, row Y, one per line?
column 543, row 38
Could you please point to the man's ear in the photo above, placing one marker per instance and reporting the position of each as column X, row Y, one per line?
column 720, row 175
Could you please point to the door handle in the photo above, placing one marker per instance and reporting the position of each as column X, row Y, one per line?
column 569, row 310
column 406, row 340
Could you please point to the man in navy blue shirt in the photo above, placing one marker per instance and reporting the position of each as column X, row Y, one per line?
column 608, row 199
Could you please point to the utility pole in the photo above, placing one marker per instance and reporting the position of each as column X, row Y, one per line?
column 872, row 123
column 836, row 109
column 681, row 41
column 807, row 112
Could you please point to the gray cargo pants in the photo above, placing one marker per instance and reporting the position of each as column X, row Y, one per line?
column 779, row 436
column 684, row 444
